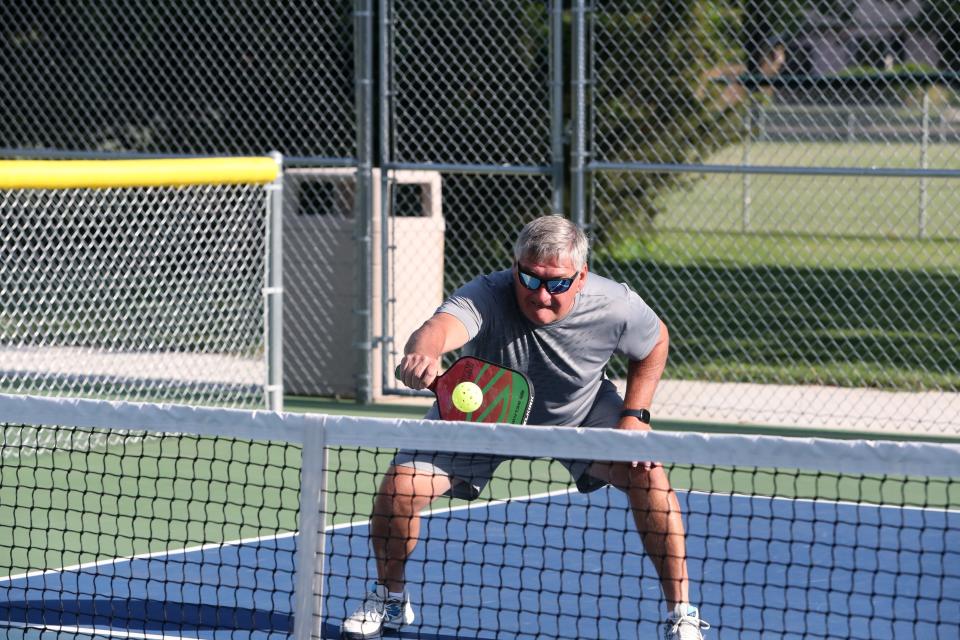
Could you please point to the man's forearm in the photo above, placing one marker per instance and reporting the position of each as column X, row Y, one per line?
column 421, row 359
column 428, row 340
column 644, row 375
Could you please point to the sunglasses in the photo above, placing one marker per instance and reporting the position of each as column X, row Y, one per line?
column 554, row 286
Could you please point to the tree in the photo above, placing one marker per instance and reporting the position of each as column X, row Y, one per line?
column 942, row 19
column 654, row 101
column 179, row 76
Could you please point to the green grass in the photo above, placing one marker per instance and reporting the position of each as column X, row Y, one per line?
column 787, row 250
column 805, row 325
column 822, row 206
column 825, row 283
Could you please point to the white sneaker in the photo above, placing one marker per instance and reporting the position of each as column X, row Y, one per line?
column 684, row 626
column 378, row 612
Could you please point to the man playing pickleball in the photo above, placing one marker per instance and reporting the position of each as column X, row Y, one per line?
column 546, row 318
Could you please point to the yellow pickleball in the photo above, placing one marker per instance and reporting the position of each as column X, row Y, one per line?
column 467, row 397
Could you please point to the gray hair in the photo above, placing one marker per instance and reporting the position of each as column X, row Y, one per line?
column 552, row 237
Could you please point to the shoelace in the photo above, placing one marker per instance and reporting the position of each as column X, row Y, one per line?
column 690, row 620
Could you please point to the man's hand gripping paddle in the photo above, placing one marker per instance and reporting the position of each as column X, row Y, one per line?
column 500, row 394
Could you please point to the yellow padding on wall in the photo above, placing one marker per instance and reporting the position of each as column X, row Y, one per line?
column 104, row 174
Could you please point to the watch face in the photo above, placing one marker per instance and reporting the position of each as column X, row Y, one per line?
column 642, row 415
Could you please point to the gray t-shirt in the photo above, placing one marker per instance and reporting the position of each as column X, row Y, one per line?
column 564, row 360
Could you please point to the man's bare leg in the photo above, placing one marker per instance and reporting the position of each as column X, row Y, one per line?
column 395, row 523
column 656, row 513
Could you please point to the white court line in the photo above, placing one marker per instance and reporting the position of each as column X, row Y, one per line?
column 440, row 511
column 114, row 633
column 97, row 631
column 844, row 503
column 233, row 543
column 142, row 556
column 464, row 507
column 708, row 494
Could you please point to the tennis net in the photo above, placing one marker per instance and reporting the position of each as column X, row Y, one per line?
column 162, row 521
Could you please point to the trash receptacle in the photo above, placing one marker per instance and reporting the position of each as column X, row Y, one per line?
column 321, row 268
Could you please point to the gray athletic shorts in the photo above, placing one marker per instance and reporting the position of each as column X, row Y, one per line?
column 470, row 472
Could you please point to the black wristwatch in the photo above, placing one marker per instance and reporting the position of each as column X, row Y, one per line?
column 640, row 414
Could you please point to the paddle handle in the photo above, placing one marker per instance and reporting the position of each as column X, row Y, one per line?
column 432, row 386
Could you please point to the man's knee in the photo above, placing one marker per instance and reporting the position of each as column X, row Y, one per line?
column 649, row 478
column 628, row 476
column 406, row 491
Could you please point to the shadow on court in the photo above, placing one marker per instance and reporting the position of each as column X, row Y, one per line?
column 153, row 617
column 331, row 631
column 147, row 616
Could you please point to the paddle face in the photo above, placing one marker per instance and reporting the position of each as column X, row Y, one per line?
column 507, row 394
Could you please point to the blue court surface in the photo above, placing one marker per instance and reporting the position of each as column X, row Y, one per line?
column 529, row 568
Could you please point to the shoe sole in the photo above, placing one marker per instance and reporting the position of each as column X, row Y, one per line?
column 346, row 635
column 397, row 626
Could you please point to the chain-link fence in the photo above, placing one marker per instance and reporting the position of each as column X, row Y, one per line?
column 773, row 194
column 779, row 179
column 212, row 77
column 150, row 293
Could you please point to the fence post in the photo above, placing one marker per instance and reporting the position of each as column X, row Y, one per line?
column 363, row 203
column 273, row 290
column 388, row 344
column 745, row 161
column 924, row 164
column 578, row 143
column 556, row 104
